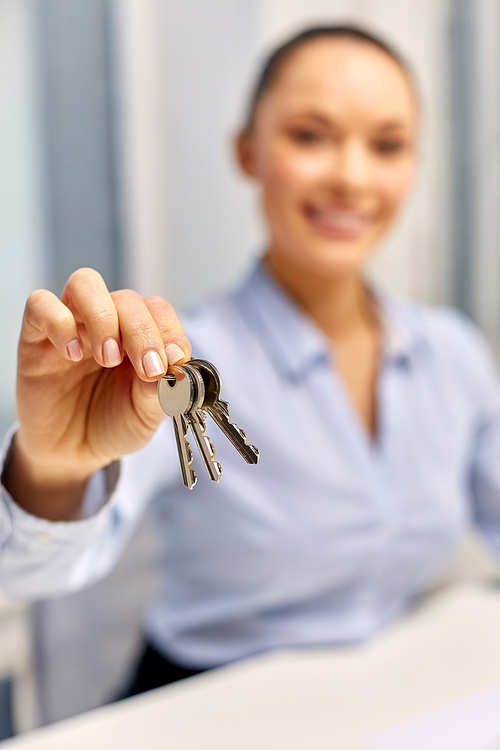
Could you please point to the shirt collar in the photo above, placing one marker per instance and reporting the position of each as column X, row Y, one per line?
column 296, row 344
column 401, row 334
column 293, row 342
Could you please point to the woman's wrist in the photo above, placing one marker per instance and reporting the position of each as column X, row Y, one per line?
column 51, row 491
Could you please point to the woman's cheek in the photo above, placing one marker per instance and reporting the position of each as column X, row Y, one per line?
column 392, row 190
column 293, row 172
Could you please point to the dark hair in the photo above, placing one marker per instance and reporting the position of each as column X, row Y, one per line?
column 277, row 58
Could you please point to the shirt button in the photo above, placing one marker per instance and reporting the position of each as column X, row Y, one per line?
column 42, row 536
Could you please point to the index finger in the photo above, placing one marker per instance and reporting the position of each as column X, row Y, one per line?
column 176, row 343
column 88, row 298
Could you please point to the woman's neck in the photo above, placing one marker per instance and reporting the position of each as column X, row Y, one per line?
column 339, row 305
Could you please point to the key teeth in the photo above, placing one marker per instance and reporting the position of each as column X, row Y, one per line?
column 241, row 432
column 189, row 450
column 196, row 421
column 209, row 444
column 220, row 415
column 192, row 472
column 217, row 465
column 190, row 454
column 244, row 436
column 224, row 405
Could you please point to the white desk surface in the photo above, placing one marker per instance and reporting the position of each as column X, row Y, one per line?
column 445, row 651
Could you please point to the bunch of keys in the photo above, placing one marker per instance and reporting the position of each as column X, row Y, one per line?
column 187, row 393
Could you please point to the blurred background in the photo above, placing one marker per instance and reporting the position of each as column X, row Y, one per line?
column 116, row 119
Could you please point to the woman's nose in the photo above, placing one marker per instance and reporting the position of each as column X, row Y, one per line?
column 351, row 172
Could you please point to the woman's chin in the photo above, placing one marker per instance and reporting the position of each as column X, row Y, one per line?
column 326, row 267
column 318, row 256
column 339, row 258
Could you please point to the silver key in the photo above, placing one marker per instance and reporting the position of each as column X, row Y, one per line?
column 176, row 394
column 219, row 410
column 197, row 423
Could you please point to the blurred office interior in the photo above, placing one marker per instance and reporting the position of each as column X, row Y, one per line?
column 116, row 119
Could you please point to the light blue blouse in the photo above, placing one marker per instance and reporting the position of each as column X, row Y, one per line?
column 332, row 534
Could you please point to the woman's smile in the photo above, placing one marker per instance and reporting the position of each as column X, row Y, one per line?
column 337, row 222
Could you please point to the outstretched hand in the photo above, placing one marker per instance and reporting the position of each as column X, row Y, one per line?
column 88, row 366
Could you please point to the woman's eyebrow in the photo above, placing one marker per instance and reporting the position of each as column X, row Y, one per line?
column 329, row 122
column 392, row 125
column 313, row 116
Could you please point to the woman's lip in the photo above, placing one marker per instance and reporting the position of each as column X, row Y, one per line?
column 336, row 222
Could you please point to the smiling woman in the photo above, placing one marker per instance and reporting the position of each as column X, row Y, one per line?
column 378, row 419
column 331, row 139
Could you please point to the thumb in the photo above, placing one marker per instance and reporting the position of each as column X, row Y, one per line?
column 146, row 403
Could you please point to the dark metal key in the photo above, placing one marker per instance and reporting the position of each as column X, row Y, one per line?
column 196, row 421
column 219, row 410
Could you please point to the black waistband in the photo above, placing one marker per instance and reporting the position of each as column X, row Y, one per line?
column 154, row 670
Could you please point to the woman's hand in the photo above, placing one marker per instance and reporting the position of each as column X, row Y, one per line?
column 88, row 366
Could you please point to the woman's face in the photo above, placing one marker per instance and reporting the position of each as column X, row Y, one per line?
column 333, row 148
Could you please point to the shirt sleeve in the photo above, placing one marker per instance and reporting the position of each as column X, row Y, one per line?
column 41, row 558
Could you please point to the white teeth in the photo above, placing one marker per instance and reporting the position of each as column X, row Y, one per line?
column 343, row 220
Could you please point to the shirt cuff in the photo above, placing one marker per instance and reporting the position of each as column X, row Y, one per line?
column 98, row 491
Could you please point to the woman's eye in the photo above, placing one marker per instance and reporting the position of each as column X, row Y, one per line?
column 306, row 135
column 389, row 146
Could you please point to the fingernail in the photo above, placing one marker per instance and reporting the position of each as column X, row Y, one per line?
column 153, row 365
column 174, row 353
column 111, row 353
column 75, row 350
